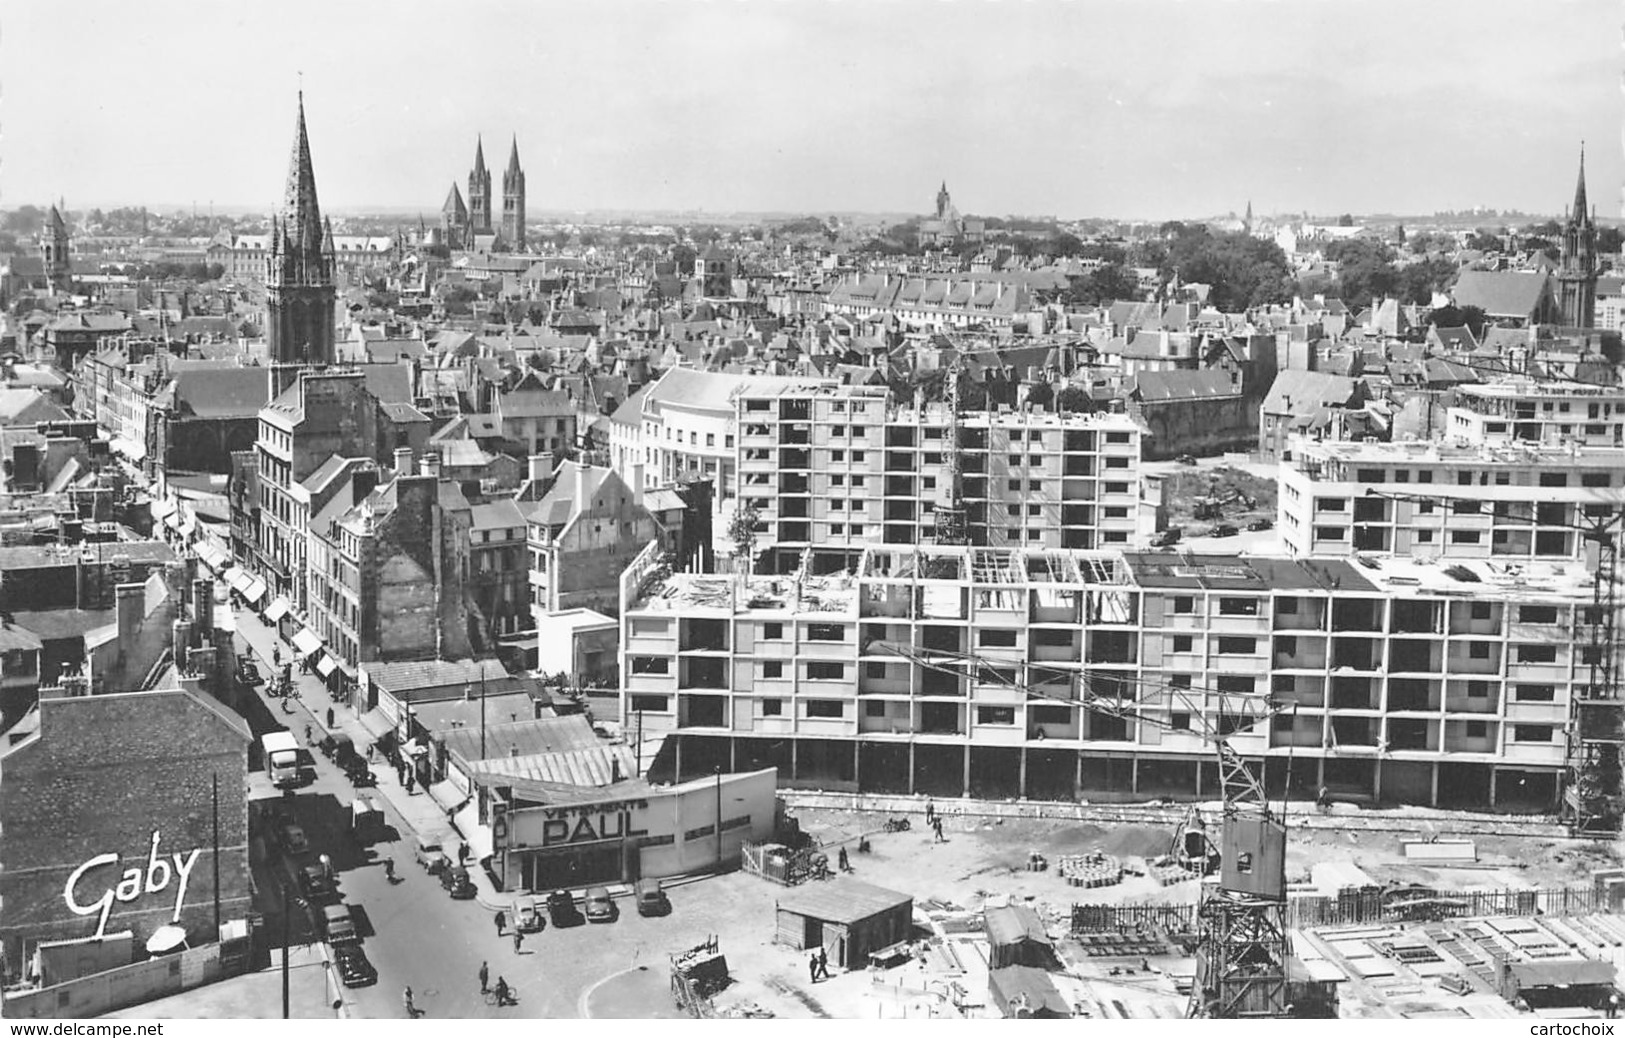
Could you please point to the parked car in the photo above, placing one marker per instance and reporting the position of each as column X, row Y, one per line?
column 1167, row 537
column 650, row 898
column 248, row 672
column 454, row 879
column 293, row 839
column 339, row 925
column 1261, row 524
column 599, row 906
column 561, row 909
column 529, row 914
column 429, row 855
column 1222, row 530
column 354, row 969
column 1187, row 459
column 316, row 884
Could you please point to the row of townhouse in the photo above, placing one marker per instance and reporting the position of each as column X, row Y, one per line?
column 1400, row 679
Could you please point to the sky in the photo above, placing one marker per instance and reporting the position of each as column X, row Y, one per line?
column 1140, row 109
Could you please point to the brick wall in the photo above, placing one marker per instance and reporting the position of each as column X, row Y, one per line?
column 101, row 776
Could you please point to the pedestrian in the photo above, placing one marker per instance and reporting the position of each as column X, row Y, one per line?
column 327, row 866
column 462, row 854
column 823, row 963
column 518, row 939
column 930, row 811
column 485, row 977
column 410, row 784
column 504, row 993
column 936, row 824
column 1613, row 1005
column 846, row 865
column 502, row 922
column 329, row 717
column 411, row 1010
column 812, row 969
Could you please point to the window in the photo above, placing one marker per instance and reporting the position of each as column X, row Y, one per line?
column 1182, row 643
column 710, row 439
column 996, row 637
column 826, row 632
column 1286, row 607
column 1477, row 729
column 1464, row 537
column 1180, row 721
column 874, row 708
column 1478, row 690
column 1537, row 654
column 826, row 708
column 1531, row 733
column 1237, row 646
column 772, row 708
column 1368, row 476
column 995, row 715
column 1238, row 607
column 1531, row 614
column 1334, row 504
column 858, row 457
column 1184, row 604
column 1015, row 460
column 822, row 671
column 1179, row 681
column 1117, row 463
column 1480, row 611
column 1286, row 646
column 1478, row 650
column 1014, row 484
column 874, row 670
column 1331, row 533
column 650, row 704
column 772, row 632
column 651, row 665
column 1535, row 693
column 1424, row 476
column 1424, row 536
column 1594, row 479
column 773, row 669
column 1234, row 685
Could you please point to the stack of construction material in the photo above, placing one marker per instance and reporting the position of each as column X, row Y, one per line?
column 1091, row 870
column 1168, row 873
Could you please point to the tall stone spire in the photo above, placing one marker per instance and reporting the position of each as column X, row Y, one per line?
column 513, row 201
column 301, row 213
column 479, row 194
column 299, row 297
column 1577, row 269
column 1581, row 209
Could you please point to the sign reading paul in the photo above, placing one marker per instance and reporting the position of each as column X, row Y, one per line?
column 132, row 885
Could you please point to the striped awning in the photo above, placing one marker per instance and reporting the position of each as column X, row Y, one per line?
column 212, row 556
column 255, row 590
column 325, row 665
column 306, row 642
column 236, row 578
column 278, row 608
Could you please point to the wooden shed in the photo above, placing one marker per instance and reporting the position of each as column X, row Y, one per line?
column 848, row 918
column 1016, row 937
column 1025, row 993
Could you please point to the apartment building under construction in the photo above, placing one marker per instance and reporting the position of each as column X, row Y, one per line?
column 966, row 671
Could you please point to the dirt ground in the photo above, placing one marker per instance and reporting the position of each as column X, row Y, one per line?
column 1184, row 485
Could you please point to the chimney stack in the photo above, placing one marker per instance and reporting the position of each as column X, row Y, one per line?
column 130, row 598
column 430, row 465
column 637, row 483
column 403, row 461
column 582, row 503
column 541, row 466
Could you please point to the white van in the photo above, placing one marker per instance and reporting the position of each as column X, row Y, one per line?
column 281, row 758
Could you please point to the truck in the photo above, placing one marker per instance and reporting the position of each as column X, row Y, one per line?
column 281, row 758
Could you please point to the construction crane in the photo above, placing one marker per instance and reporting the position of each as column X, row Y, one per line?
column 1213, row 506
column 1242, row 944
column 951, row 524
column 1594, row 793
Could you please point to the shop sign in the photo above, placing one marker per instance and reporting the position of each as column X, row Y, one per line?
column 589, row 823
column 134, row 883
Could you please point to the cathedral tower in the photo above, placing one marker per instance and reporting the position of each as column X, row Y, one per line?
column 1577, row 270
column 479, row 194
column 299, row 291
column 454, row 219
column 513, row 202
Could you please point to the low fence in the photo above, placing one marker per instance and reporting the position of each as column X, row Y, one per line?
column 119, row 987
column 1356, row 908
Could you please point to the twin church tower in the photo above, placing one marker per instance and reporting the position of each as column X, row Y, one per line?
column 465, row 226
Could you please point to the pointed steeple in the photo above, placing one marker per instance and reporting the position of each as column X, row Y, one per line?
column 454, row 204
column 479, row 155
column 513, row 157
column 1581, row 210
column 301, row 214
column 58, row 225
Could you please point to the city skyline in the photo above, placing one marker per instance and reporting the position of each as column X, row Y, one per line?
column 1071, row 110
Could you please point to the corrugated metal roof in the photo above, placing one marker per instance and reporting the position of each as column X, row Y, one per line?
column 842, row 900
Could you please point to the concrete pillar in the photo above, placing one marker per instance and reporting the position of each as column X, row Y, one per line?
column 733, row 753
column 857, row 756
column 1376, row 780
column 1134, row 775
column 1493, row 773
column 1198, row 778
column 911, row 768
column 1021, row 787
column 1077, row 779
column 793, row 744
column 677, row 758
column 966, row 792
column 1433, row 799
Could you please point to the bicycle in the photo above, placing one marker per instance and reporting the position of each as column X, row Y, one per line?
column 509, row 998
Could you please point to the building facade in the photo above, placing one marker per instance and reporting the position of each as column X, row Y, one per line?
column 1549, row 414
column 1509, row 503
column 954, row 671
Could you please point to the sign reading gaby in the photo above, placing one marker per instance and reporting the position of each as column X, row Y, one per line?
column 135, row 882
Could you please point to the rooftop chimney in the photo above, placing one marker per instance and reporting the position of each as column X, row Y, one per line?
column 541, row 466
column 403, row 460
column 637, row 484
column 131, row 599
column 430, row 465
column 581, row 486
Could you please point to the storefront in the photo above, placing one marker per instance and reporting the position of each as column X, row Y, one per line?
column 118, row 811
column 542, row 840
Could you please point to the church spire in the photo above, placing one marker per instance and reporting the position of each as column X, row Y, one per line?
column 513, row 157
column 1581, row 209
column 301, row 214
column 479, row 154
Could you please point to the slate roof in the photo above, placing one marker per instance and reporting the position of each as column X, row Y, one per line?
column 841, row 900
column 223, row 392
column 558, row 506
column 411, row 675
column 1304, row 392
column 1501, row 293
column 500, row 514
column 536, row 403
column 28, row 406
column 1156, row 386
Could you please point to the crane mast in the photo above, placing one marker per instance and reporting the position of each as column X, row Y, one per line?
column 951, row 526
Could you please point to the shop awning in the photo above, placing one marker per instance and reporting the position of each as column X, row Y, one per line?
column 306, row 642
column 187, row 527
column 212, row 556
column 238, row 580
column 131, row 449
column 255, row 590
column 173, row 520
column 162, row 508
column 325, row 666
column 278, row 608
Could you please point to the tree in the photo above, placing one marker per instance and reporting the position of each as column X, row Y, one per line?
column 1041, row 394
column 1452, row 316
column 1610, row 240
column 1346, row 220
column 742, row 532
column 1243, row 271
column 684, row 256
column 1483, row 241
column 1074, row 399
column 1105, row 284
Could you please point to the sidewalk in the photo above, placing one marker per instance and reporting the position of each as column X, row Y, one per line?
column 420, row 811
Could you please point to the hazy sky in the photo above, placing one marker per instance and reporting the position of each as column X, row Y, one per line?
column 1092, row 107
